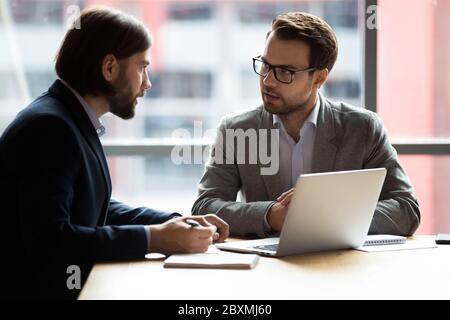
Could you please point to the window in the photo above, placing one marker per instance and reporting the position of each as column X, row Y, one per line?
column 26, row 12
column 180, row 84
column 191, row 42
column 186, row 11
column 341, row 14
column 38, row 79
column 254, row 12
column 349, row 89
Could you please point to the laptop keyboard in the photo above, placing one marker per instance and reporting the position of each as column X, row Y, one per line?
column 268, row 247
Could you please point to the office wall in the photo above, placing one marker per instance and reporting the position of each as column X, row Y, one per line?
column 413, row 94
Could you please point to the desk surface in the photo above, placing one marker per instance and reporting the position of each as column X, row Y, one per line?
column 347, row 274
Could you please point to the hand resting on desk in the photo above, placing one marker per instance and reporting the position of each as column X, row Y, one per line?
column 177, row 236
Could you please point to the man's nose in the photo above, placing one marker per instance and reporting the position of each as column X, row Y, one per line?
column 147, row 85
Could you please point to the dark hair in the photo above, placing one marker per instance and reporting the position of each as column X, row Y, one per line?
column 310, row 29
column 101, row 31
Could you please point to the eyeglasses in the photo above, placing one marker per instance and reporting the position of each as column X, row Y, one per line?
column 282, row 74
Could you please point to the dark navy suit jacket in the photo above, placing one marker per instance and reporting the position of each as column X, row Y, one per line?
column 55, row 200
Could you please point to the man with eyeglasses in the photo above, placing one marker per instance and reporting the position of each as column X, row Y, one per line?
column 315, row 135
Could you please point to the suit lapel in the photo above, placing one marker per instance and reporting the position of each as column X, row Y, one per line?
column 85, row 125
column 271, row 182
column 324, row 153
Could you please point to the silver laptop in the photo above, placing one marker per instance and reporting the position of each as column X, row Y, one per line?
column 328, row 211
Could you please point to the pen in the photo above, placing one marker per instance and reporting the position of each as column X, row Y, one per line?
column 192, row 223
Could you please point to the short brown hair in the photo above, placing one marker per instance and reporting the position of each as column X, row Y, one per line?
column 310, row 29
column 101, row 31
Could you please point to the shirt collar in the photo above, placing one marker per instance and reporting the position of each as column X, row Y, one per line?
column 312, row 118
column 96, row 122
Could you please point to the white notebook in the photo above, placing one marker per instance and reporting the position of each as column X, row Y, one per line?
column 213, row 258
column 382, row 239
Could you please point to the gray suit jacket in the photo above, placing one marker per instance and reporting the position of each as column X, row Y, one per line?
column 347, row 138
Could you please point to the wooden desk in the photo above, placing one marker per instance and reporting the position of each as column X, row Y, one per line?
column 349, row 274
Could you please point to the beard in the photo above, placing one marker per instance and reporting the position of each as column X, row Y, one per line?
column 123, row 102
column 285, row 108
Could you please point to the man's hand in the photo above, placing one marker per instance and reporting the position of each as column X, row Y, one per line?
column 176, row 236
column 278, row 211
column 223, row 229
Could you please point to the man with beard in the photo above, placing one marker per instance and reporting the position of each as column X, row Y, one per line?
column 315, row 135
column 55, row 187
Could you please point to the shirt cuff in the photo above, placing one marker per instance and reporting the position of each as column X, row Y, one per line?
column 266, row 226
column 148, row 234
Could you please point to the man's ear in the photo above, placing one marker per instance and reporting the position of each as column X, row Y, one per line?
column 110, row 68
column 321, row 78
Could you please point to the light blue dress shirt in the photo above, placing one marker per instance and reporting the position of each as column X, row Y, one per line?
column 295, row 157
column 96, row 122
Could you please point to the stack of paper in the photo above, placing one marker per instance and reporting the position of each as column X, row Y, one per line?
column 213, row 258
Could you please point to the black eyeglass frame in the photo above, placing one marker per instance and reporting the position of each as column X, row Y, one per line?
column 275, row 68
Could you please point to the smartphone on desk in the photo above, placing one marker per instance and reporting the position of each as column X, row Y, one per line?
column 443, row 238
